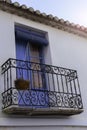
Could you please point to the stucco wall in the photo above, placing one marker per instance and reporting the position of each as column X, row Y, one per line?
column 65, row 49
column 43, row 128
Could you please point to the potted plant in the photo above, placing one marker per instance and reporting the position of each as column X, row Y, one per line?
column 21, row 84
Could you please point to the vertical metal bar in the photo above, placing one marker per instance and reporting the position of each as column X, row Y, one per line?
column 32, row 80
column 79, row 91
column 67, row 91
column 74, row 86
column 48, row 81
column 38, row 79
column 62, row 83
column 4, row 81
column 16, row 73
column 58, row 83
column 63, row 103
column 53, row 82
column 43, row 80
column 78, row 86
column 70, row 86
column 27, row 74
column 26, row 64
column 10, row 77
column 7, row 81
column 22, row 73
column 72, row 94
column 66, row 85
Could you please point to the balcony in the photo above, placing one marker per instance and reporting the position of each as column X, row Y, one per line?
column 52, row 90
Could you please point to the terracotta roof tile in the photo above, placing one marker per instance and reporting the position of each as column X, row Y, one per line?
column 30, row 13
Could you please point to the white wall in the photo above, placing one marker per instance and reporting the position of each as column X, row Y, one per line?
column 66, row 50
column 43, row 128
column 70, row 51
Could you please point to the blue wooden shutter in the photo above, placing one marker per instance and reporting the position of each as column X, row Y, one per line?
column 21, row 55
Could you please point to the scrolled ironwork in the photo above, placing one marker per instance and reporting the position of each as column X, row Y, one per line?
column 26, row 100
column 7, row 98
column 59, row 100
column 52, row 99
column 43, row 98
column 72, row 102
column 15, row 96
column 78, row 101
column 65, row 100
column 35, row 98
column 6, row 65
column 71, row 76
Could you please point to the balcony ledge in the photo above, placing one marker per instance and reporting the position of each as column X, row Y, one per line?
column 15, row 109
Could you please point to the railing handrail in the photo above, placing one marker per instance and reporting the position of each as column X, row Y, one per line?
column 60, row 70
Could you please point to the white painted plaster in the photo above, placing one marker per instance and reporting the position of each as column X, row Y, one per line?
column 65, row 49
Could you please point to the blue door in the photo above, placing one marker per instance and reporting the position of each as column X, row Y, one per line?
column 36, row 96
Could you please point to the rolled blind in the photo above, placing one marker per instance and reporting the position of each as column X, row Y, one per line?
column 31, row 35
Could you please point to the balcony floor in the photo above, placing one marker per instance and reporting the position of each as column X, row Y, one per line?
column 15, row 109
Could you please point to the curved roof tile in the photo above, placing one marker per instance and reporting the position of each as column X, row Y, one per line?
column 30, row 13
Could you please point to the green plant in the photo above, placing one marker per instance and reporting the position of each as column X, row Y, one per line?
column 21, row 84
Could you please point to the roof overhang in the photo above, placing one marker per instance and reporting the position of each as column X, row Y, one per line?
column 29, row 13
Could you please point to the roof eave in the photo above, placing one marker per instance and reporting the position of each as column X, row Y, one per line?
column 49, row 20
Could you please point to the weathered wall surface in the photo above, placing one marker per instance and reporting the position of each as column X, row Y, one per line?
column 65, row 50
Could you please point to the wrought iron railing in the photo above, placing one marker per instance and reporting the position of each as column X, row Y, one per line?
column 50, row 86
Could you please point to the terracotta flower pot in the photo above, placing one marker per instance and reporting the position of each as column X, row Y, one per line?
column 21, row 84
